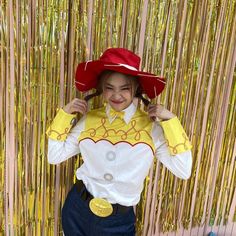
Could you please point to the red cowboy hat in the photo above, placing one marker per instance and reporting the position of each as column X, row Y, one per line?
column 120, row 60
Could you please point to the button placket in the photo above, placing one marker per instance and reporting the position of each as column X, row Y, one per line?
column 110, row 160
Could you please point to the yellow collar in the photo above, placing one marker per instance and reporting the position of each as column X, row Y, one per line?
column 117, row 114
column 126, row 114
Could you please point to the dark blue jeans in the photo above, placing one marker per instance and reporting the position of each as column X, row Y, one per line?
column 78, row 220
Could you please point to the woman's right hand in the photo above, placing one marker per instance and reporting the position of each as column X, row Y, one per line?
column 76, row 105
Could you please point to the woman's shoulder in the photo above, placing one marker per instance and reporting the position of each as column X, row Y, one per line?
column 96, row 112
column 140, row 113
column 142, row 117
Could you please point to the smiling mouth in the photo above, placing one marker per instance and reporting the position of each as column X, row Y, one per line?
column 117, row 102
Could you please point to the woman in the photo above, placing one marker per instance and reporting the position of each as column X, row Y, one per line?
column 117, row 142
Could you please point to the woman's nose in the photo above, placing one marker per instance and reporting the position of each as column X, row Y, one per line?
column 116, row 94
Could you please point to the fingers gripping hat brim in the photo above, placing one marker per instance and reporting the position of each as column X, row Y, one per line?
column 87, row 74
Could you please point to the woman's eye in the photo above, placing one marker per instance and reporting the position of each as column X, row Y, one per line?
column 108, row 88
column 125, row 88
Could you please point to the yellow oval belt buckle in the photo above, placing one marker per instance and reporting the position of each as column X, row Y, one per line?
column 100, row 207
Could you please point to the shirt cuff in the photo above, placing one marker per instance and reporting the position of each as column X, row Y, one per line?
column 61, row 126
column 177, row 139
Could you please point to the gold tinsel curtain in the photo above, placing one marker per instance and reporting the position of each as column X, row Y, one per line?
column 191, row 43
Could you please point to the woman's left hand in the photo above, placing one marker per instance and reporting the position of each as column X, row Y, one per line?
column 159, row 112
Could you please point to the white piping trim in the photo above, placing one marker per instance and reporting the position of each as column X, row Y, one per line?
column 125, row 65
column 153, row 76
column 80, row 83
column 85, row 67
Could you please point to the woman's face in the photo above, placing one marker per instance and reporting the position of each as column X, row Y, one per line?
column 117, row 91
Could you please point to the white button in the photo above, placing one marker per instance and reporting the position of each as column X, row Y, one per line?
column 111, row 156
column 108, row 177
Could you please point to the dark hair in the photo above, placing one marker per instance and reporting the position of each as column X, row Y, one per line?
column 106, row 74
column 145, row 101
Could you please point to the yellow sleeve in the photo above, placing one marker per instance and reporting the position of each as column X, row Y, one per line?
column 61, row 125
column 177, row 140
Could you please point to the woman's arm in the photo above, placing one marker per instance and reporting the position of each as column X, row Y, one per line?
column 63, row 141
column 180, row 164
column 171, row 142
column 59, row 151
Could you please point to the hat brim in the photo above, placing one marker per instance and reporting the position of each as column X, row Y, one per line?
column 87, row 74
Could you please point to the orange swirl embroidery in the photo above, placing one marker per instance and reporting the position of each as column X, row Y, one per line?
column 123, row 134
column 174, row 148
column 132, row 145
column 59, row 135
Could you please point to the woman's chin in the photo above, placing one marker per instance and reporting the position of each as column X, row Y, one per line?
column 118, row 107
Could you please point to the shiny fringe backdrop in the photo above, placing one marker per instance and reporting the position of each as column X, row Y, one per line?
column 191, row 43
